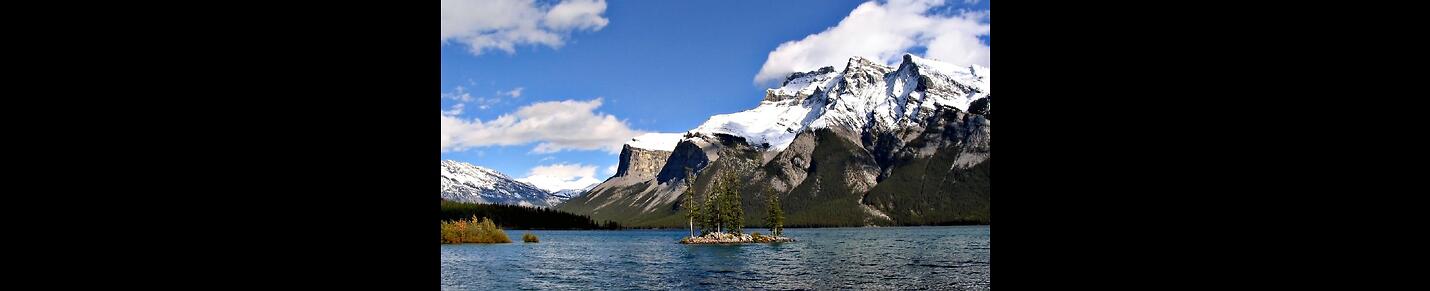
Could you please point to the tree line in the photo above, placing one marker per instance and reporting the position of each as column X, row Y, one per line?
column 521, row 217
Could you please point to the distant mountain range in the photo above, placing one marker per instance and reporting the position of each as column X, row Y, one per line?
column 463, row 182
column 868, row 144
column 567, row 194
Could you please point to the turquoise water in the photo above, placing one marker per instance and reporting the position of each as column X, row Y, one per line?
column 942, row 257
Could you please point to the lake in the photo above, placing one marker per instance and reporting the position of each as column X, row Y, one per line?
column 935, row 257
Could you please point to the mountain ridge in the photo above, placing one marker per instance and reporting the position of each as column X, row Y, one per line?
column 465, row 182
column 824, row 141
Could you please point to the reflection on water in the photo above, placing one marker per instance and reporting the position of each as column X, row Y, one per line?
column 952, row 257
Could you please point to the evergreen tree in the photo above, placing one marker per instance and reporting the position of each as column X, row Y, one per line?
column 724, row 203
column 774, row 213
column 712, row 209
column 737, row 210
column 692, row 211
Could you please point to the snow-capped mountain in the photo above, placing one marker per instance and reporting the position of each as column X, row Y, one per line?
column 567, row 194
column 465, row 182
column 868, row 144
column 865, row 95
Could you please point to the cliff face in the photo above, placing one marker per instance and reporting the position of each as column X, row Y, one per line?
column 640, row 163
column 941, row 175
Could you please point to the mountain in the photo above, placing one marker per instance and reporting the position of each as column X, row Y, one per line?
column 865, row 145
column 463, row 182
column 567, row 194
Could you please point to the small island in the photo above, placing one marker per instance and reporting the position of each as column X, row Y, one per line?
column 727, row 238
column 721, row 219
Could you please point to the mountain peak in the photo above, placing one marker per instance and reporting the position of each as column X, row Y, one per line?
column 470, row 169
column 464, row 182
column 798, row 75
column 865, row 93
column 862, row 63
column 967, row 74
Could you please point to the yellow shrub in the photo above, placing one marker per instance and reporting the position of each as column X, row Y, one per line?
column 474, row 230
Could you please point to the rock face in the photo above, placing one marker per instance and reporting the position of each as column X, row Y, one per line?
column 940, row 174
column 689, row 157
column 640, row 163
column 866, row 145
column 463, row 182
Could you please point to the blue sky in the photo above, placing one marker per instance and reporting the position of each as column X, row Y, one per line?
column 625, row 67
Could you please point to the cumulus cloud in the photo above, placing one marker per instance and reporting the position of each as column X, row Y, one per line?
column 885, row 31
column 611, row 170
column 555, row 126
column 503, row 24
column 556, row 177
column 577, row 14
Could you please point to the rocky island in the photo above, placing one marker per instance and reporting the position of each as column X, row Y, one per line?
column 722, row 220
column 727, row 238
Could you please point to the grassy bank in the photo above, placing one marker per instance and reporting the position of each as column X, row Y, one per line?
column 473, row 230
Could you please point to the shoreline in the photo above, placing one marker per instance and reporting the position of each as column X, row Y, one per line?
column 785, row 228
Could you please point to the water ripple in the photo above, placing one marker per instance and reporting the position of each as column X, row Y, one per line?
column 937, row 258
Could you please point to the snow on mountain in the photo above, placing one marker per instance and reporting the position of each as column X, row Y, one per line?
column 775, row 123
column 568, row 193
column 883, row 116
column 573, row 193
column 465, row 182
column 864, row 95
column 656, row 141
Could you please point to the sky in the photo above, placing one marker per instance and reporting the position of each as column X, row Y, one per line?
column 548, row 91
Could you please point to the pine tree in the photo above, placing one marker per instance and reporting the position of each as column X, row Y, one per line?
column 724, row 203
column 774, row 213
column 692, row 211
column 737, row 210
column 712, row 209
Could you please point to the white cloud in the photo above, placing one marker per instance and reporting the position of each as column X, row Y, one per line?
column 557, row 177
column 514, row 93
column 577, row 14
column 611, row 170
column 504, row 24
column 460, row 94
column 885, row 32
column 554, row 126
column 456, row 110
